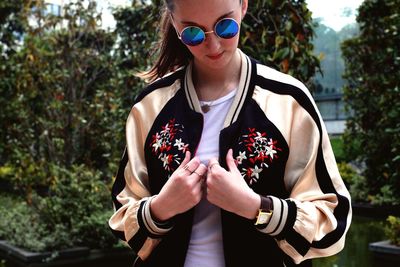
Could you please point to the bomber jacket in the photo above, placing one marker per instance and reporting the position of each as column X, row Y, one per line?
column 282, row 150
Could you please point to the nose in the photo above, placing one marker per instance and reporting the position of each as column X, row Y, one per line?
column 212, row 41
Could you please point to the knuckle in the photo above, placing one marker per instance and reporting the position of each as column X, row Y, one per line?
column 179, row 178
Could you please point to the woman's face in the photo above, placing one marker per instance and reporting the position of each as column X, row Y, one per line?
column 213, row 52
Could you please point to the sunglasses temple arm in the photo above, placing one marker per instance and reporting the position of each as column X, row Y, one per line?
column 172, row 23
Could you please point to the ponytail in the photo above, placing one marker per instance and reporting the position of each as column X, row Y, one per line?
column 173, row 53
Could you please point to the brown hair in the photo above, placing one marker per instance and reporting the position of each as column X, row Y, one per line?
column 173, row 53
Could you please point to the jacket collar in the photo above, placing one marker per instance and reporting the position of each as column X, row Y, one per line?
column 240, row 97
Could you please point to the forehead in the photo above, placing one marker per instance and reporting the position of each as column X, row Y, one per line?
column 203, row 11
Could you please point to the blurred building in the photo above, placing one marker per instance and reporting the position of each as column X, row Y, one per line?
column 104, row 6
column 332, row 111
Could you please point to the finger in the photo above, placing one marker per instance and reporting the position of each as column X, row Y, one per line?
column 185, row 160
column 194, row 163
column 230, row 161
column 191, row 166
column 212, row 163
column 200, row 173
column 201, row 169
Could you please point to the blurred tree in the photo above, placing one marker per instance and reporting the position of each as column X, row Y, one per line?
column 373, row 93
column 13, row 22
column 64, row 105
column 137, row 31
column 279, row 33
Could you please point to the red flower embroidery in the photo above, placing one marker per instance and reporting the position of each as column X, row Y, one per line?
column 259, row 150
column 163, row 144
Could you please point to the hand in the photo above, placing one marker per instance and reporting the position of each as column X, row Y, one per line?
column 228, row 189
column 182, row 191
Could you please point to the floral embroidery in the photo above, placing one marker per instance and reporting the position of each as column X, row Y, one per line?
column 163, row 144
column 259, row 151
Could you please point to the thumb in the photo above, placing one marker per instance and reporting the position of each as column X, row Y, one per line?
column 185, row 160
column 230, row 161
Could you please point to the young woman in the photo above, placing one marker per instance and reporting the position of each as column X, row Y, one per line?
column 228, row 162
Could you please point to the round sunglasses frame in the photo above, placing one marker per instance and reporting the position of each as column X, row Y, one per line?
column 209, row 32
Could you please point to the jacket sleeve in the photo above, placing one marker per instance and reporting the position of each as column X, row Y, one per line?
column 314, row 220
column 132, row 221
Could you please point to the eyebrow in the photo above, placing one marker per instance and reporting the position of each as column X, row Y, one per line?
column 195, row 24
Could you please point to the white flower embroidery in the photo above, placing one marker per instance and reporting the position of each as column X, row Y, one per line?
column 166, row 129
column 241, row 157
column 270, row 151
column 260, row 138
column 165, row 160
column 256, row 172
column 158, row 142
column 181, row 145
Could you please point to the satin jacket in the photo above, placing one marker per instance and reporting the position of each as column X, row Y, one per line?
column 282, row 149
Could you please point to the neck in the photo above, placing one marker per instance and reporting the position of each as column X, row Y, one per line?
column 214, row 83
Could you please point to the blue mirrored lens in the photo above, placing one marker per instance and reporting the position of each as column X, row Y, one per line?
column 226, row 28
column 192, row 36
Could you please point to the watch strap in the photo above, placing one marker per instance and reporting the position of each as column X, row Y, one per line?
column 266, row 204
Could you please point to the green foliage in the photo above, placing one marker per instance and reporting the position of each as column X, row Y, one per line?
column 337, row 146
column 373, row 94
column 279, row 33
column 74, row 212
column 25, row 175
column 61, row 103
column 392, row 230
column 12, row 25
column 60, row 121
column 355, row 182
column 137, row 31
column 385, row 196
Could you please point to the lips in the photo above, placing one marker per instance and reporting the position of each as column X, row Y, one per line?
column 215, row 56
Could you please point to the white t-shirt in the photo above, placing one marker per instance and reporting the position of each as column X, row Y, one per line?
column 206, row 247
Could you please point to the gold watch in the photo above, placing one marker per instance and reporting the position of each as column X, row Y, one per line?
column 265, row 211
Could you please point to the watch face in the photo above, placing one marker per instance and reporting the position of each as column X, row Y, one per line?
column 263, row 217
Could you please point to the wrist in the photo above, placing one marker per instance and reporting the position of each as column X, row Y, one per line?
column 253, row 206
column 158, row 213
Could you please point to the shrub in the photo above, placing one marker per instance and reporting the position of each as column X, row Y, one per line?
column 355, row 182
column 74, row 212
column 386, row 196
column 373, row 94
column 392, row 230
column 337, row 146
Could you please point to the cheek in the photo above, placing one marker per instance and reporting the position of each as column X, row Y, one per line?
column 230, row 43
column 195, row 50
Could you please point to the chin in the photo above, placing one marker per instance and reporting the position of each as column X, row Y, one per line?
column 221, row 62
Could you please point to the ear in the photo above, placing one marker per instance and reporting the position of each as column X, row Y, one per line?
column 244, row 7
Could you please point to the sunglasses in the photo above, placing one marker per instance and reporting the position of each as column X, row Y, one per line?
column 225, row 28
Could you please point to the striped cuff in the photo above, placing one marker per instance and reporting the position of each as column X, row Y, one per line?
column 282, row 219
column 155, row 228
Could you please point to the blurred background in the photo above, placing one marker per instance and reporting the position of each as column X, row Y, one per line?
column 67, row 82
